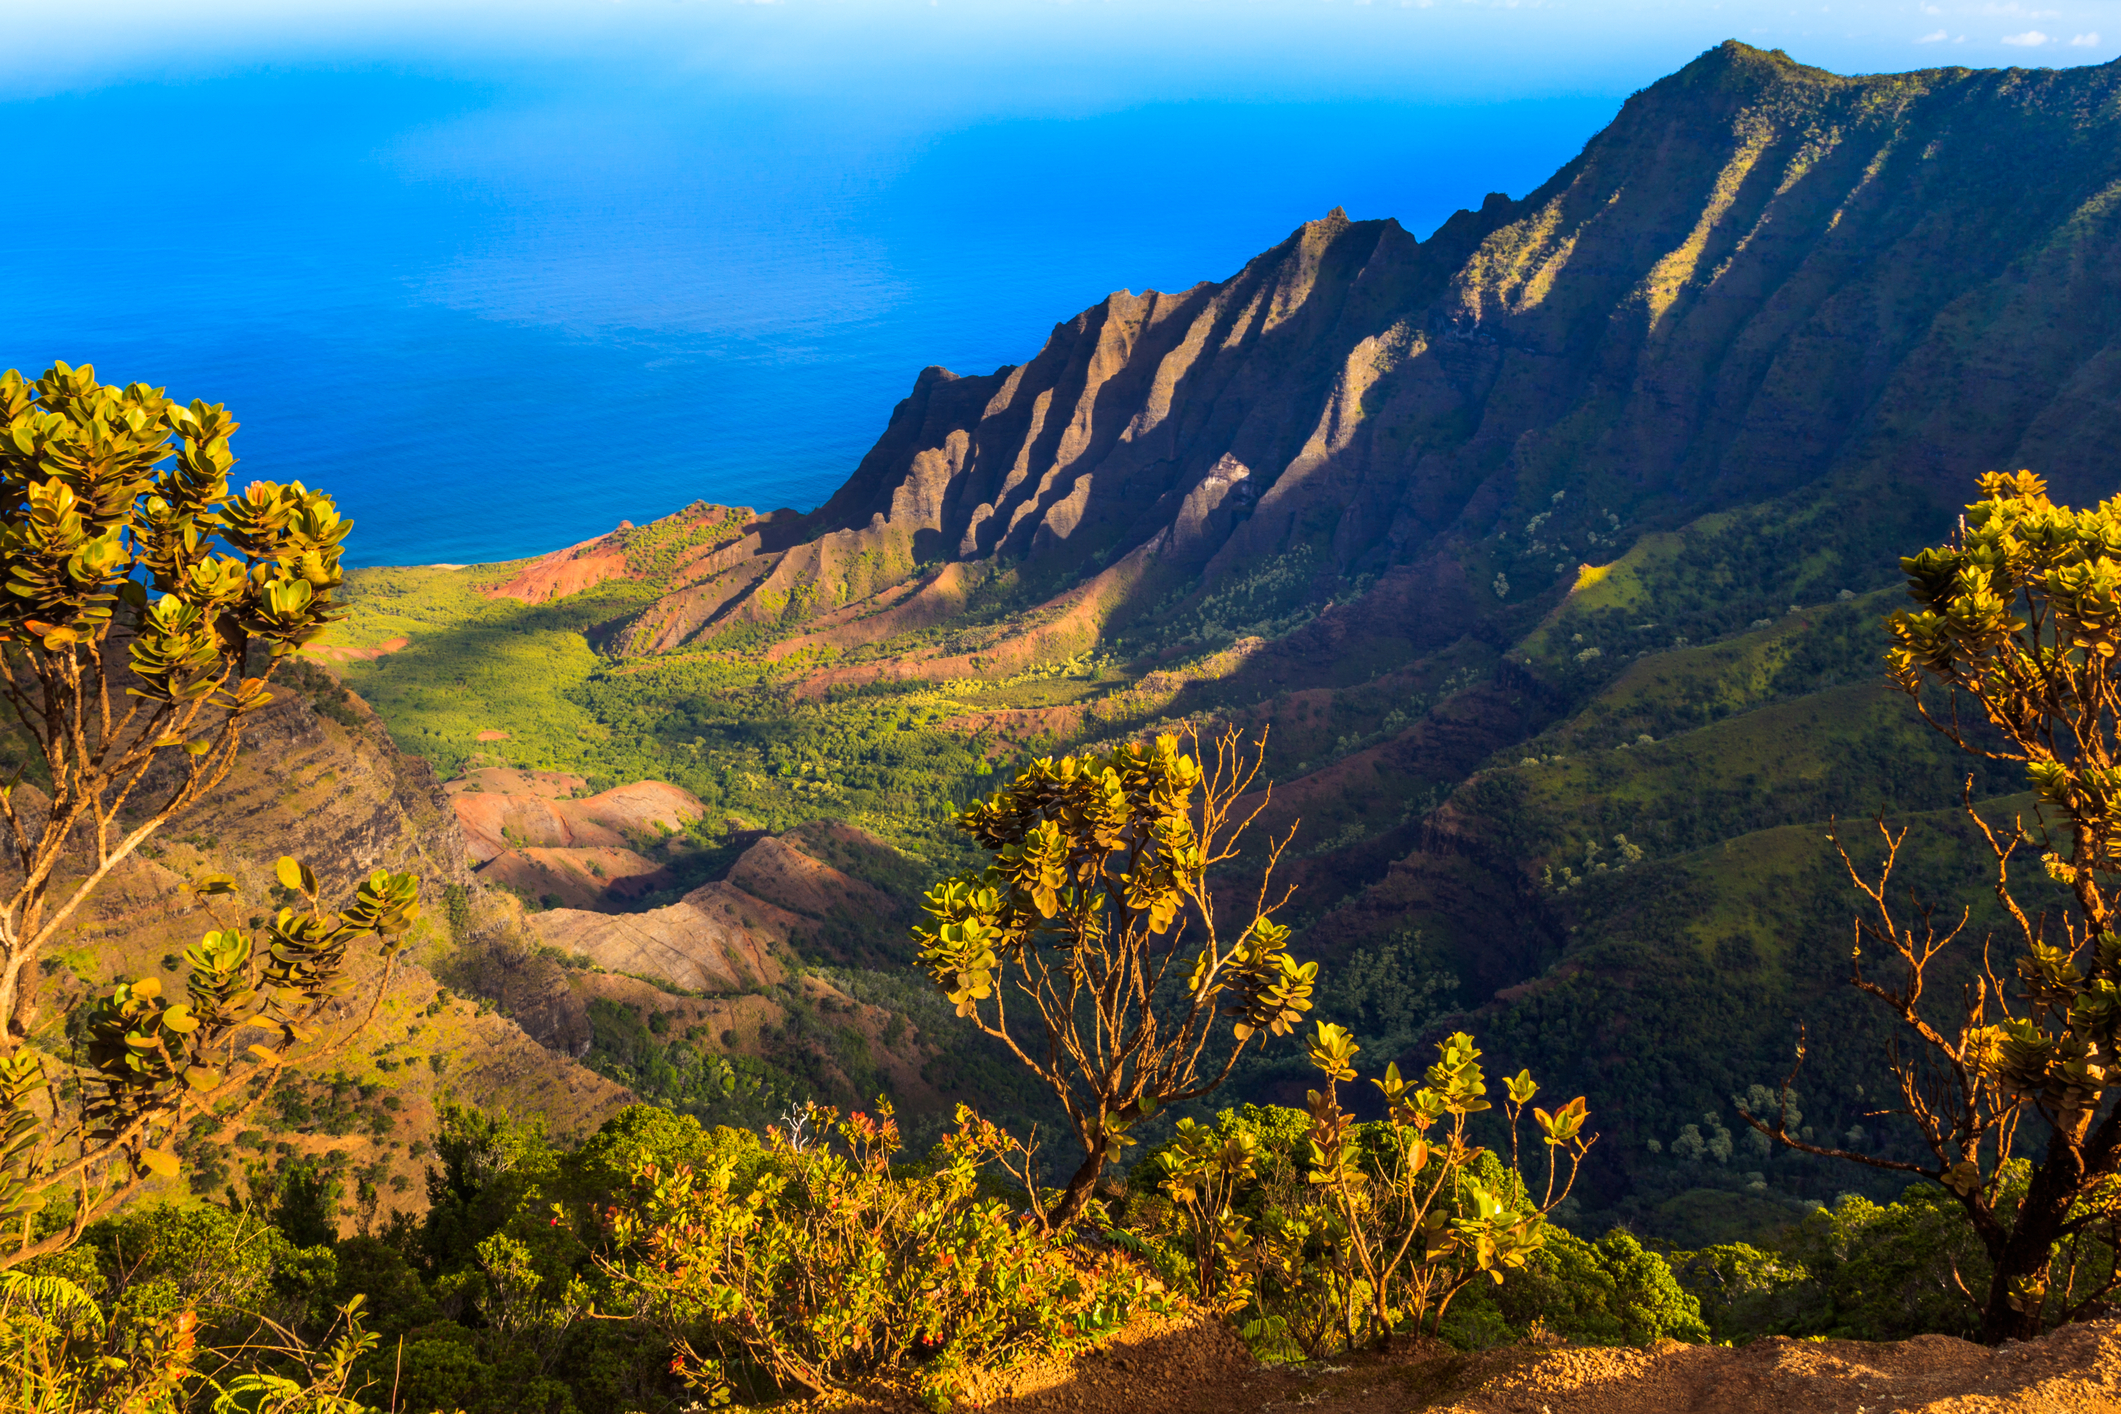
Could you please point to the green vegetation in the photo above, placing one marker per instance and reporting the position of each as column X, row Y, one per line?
column 686, row 1073
column 1394, row 1220
column 790, row 1265
column 723, row 726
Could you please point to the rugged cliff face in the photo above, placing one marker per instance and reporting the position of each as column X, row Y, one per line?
column 1759, row 277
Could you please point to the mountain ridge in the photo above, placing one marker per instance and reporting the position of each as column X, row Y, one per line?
column 1541, row 551
column 1716, row 302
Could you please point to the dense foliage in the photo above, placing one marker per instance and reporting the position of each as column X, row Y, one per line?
column 785, row 1263
column 662, row 1262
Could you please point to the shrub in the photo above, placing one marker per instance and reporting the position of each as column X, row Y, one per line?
column 1415, row 1213
column 783, row 1263
column 1608, row 1292
column 1322, row 1234
column 1861, row 1271
column 1096, row 923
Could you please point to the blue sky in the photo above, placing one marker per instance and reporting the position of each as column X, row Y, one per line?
column 976, row 58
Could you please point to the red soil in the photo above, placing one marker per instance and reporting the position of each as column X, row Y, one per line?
column 1199, row 1367
column 565, row 572
column 338, row 653
column 499, row 821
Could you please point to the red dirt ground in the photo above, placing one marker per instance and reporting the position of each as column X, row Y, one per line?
column 1199, row 1367
column 336, row 654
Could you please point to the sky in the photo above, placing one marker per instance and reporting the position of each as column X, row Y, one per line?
column 996, row 57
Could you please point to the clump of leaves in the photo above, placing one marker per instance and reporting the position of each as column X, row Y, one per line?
column 790, row 1262
column 1412, row 1222
column 137, row 585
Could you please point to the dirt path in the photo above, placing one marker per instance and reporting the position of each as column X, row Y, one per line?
column 1201, row 1368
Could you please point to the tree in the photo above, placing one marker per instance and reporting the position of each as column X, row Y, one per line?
column 134, row 593
column 1098, row 881
column 2019, row 628
column 137, row 589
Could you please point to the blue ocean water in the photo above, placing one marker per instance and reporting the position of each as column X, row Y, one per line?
column 497, row 304
column 493, row 326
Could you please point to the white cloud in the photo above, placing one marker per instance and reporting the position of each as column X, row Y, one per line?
column 2086, row 41
column 1932, row 10
column 2031, row 39
column 1938, row 37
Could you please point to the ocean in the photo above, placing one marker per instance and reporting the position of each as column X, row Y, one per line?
column 496, row 307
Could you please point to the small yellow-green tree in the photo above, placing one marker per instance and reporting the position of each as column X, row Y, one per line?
column 2014, row 653
column 135, row 586
column 1095, row 923
column 145, row 607
column 1412, row 1223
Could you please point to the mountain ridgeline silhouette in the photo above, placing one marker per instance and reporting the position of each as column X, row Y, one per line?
column 1761, row 277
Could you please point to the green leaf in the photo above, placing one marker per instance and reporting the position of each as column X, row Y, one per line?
column 159, row 1163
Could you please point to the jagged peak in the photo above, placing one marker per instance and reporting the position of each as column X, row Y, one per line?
column 1738, row 67
column 1734, row 56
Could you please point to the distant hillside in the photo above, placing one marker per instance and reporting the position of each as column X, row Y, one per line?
column 319, row 778
column 1549, row 550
